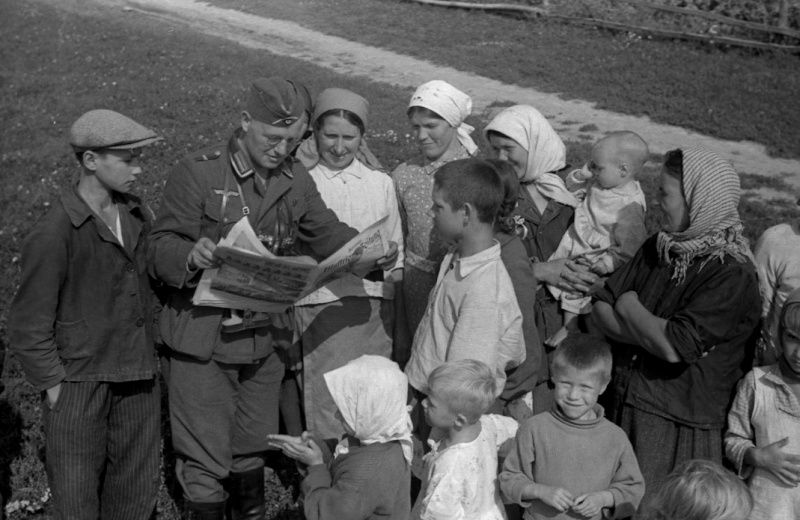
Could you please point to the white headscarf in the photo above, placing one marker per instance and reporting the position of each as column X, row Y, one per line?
column 453, row 105
column 546, row 152
column 371, row 394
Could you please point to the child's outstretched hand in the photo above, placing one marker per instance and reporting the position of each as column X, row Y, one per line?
column 785, row 466
column 591, row 504
column 556, row 497
column 302, row 449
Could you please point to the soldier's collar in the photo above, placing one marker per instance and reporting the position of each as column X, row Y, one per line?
column 240, row 160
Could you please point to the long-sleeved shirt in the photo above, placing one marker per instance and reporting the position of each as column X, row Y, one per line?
column 360, row 197
column 764, row 412
column 472, row 314
column 579, row 456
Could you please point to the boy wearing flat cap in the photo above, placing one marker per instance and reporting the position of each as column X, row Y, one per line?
column 81, row 325
column 222, row 369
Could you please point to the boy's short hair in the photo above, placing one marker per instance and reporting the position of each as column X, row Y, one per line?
column 471, row 181
column 467, row 386
column 702, row 490
column 583, row 352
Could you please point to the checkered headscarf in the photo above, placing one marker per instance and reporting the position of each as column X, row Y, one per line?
column 711, row 187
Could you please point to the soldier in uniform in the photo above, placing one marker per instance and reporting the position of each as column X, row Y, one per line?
column 224, row 374
column 81, row 325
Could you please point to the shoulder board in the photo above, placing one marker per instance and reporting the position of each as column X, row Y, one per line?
column 208, row 156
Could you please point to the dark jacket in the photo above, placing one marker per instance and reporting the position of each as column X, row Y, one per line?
column 191, row 208
column 521, row 379
column 711, row 320
column 369, row 482
column 84, row 309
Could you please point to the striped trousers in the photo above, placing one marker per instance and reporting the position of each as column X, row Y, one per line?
column 102, row 442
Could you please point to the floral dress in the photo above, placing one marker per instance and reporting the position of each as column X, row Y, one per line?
column 425, row 248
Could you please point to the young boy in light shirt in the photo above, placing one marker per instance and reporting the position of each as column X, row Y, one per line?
column 472, row 312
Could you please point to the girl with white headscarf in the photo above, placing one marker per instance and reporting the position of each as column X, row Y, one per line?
column 351, row 316
column 368, row 472
column 681, row 314
column 436, row 112
column 522, row 136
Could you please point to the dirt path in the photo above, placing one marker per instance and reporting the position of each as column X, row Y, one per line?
column 574, row 120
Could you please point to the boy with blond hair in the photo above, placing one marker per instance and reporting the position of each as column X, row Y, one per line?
column 609, row 223
column 571, row 460
column 460, row 477
column 472, row 312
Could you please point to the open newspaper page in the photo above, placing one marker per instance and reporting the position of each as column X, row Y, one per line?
column 251, row 277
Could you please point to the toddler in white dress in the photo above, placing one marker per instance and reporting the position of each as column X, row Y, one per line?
column 460, row 476
column 609, row 223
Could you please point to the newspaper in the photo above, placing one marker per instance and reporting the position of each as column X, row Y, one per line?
column 250, row 277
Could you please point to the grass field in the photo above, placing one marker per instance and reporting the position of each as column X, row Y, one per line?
column 727, row 93
column 58, row 64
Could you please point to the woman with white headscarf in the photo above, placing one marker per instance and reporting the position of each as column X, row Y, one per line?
column 436, row 112
column 681, row 315
column 350, row 316
column 521, row 136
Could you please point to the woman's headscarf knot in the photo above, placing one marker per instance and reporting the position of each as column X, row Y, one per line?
column 451, row 104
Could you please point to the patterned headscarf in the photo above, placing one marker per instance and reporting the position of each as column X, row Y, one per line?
column 371, row 394
column 546, row 152
column 338, row 99
column 711, row 187
column 453, row 105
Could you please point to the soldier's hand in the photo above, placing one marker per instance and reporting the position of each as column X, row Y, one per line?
column 202, row 255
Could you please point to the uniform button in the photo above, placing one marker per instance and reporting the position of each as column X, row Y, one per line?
column 140, row 322
column 130, row 268
column 634, row 357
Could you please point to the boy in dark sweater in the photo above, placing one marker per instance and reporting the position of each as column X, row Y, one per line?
column 571, row 460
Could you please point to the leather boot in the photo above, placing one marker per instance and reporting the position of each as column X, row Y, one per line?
column 246, row 495
column 204, row 510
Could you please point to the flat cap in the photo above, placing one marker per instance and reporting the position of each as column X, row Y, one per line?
column 106, row 129
column 277, row 101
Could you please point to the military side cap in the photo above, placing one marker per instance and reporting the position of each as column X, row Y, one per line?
column 277, row 101
column 106, row 129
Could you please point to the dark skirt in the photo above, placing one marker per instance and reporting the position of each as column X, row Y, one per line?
column 660, row 445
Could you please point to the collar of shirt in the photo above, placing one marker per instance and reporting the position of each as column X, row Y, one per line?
column 240, row 161
column 79, row 211
column 786, row 400
column 352, row 169
column 465, row 266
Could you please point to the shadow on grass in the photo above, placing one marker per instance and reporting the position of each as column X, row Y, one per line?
column 11, row 439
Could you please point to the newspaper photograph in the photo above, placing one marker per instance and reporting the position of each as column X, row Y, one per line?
column 250, row 277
